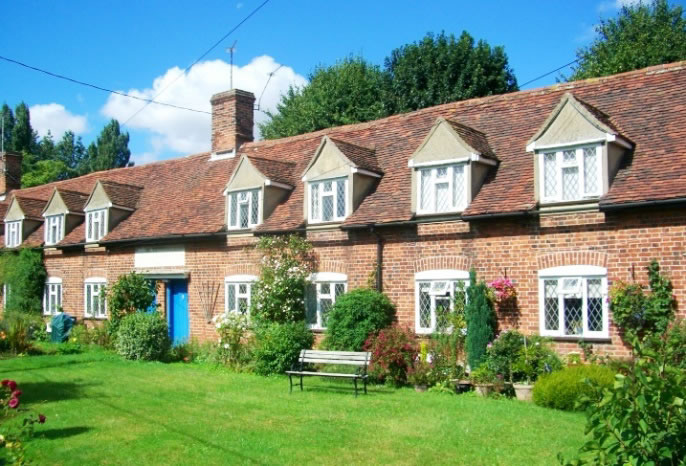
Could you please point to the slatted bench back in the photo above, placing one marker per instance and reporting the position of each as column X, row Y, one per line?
column 350, row 358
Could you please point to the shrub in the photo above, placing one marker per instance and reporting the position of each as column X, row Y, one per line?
column 143, row 335
column 642, row 314
column 355, row 316
column 563, row 389
column 481, row 321
column 518, row 358
column 393, row 350
column 447, row 343
column 279, row 293
column 641, row 419
column 194, row 351
column 24, row 275
column 80, row 334
column 130, row 294
column 278, row 345
column 18, row 329
column 232, row 329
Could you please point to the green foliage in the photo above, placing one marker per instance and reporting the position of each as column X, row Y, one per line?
column 23, row 136
column 641, row 419
column 355, row 316
column 279, row 293
column 111, row 150
column 7, row 116
column 131, row 293
column 143, row 335
column 676, row 344
column 232, row 329
column 442, row 68
column 644, row 34
column 25, row 275
column 17, row 330
column 447, row 344
column 640, row 314
column 194, row 351
column 563, row 389
column 278, row 345
column 394, row 350
column 45, row 171
column 481, row 321
column 350, row 91
column 482, row 375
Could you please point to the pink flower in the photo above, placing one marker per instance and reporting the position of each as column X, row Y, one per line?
column 12, row 384
column 13, row 403
column 16, row 393
column 5, row 382
column 41, row 419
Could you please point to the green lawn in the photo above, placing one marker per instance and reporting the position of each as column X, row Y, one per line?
column 104, row 410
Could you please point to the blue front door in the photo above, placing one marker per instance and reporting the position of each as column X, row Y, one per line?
column 177, row 314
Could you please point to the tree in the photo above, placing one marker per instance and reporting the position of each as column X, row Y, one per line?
column 642, row 35
column 351, row 91
column 23, row 136
column 111, row 150
column 7, row 118
column 441, row 69
column 481, row 321
column 45, row 171
column 71, row 151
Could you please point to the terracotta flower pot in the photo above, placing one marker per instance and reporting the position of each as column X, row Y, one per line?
column 523, row 391
column 483, row 389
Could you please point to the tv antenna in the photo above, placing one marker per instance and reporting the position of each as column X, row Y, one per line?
column 230, row 51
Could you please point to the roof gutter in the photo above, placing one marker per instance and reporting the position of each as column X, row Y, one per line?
column 520, row 213
column 143, row 240
column 631, row 205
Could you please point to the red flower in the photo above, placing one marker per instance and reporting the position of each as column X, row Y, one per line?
column 5, row 382
column 12, row 384
column 41, row 419
column 13, row 403
column 16, row 393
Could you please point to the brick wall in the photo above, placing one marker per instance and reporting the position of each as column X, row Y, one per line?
column 624, row 243
column 232, row 119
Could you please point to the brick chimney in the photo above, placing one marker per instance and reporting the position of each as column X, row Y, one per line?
column 232, row 120
column 10, row 173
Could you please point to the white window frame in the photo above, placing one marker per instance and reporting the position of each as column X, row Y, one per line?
column 317, row 280
column 234, row 281
column 97, row 307
column 316, row 215
column 583, row 273
column 442, row 279
column 52, row 289
column 434, row 180
column 101, row 217
column 54, row 235
column 13, row 233
column 234, row 198
column 560, row 165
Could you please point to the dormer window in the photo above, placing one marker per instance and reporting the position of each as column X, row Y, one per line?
column 244, row 209
column 571, row 174
column 328, row 200
column 54, row 229
column 442, row 189
column 13, row 234
column 96, row 225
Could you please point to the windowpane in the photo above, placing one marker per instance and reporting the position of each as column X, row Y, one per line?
column 325, row 288
column 550, row 174
column 424, row 306
column 570, row 183
column 595, row 305
column 89, row 234
column 573, row 315
column 551, row 305
column 243, row 305
column 243, row 214
column 426, row 190
column 590, row 170
column 311, row 304
column 324, row 307
column 458, row 187
column 233, row 213
column 327, row 208
column 314, row 201
column 340, row 198
column 328, row 187
column 442, row 197
column 231, row 297
column 569, row 156
column 254, row 207
column 340, row 289
column 89, row 303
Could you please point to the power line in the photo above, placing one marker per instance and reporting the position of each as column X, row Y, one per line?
column 100, row 88
column 200, row 57
column 549, row 72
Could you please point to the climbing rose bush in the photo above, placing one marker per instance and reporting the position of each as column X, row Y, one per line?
column 11, row 446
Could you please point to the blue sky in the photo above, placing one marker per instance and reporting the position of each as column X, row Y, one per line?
column 141, row 47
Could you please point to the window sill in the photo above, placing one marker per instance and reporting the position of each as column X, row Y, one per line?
column 580, row 339
column 318, row 330
column 569, row 206
column 241, row 232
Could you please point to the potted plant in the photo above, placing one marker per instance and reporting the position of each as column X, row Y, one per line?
column 534, row 358
column 420, row 375
column 483, row 380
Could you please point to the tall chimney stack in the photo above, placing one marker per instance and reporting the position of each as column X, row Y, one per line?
column 10, row 173
column 232, row 120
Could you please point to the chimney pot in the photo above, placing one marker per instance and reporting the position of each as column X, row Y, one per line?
column 232, row 120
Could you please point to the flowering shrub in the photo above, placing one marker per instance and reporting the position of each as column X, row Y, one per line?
column 517, row 358
column 393, row 351
column 231, row 328
column 503, row 290
column 421, row 372
column 279, row 294
column 11, row 441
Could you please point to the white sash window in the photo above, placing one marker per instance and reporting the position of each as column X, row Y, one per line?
column 95, row 304
column 96, row 225
column 54, row 229
column 52, row 296
column 13, row 234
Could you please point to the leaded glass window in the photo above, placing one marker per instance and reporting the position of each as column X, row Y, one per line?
column 442, row 189
column 435, row 299
column 52, row 296
column 238, row 294
column 244, row 209
column 94, row 300
column 13, row 234
column 571, row 174
column 96, row 225
column 54, row 229
column 328, row 200
column 320, row 297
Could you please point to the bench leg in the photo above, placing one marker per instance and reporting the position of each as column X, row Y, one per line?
column 301, row 383
column 355, row 382
column 290, row 383
column 365, row 386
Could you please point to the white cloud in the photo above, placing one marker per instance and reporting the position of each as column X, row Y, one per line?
column 57, row 119
column 187, row 132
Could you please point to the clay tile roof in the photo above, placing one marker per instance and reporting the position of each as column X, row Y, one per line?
column 75, row 201
column 362, row 157
column 32, row 208
column 123, row 195
column 475, row 138
column 275, row 170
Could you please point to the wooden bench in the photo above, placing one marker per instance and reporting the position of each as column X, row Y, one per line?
column 348, row 358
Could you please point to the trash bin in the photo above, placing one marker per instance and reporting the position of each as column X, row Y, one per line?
column 61, row 326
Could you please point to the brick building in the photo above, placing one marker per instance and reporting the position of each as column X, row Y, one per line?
column 564, row 189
